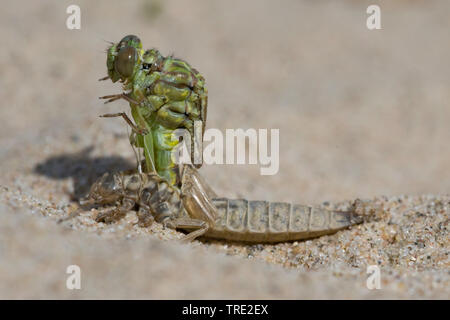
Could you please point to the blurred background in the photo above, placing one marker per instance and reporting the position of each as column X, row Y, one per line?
column 360, row 113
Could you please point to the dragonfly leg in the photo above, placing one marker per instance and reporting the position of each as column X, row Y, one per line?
column 135, row 128
column 111, row 97
column 130, row 100
column 195, row 227
column 112, row 215
column 145, row 216
column 114, row 97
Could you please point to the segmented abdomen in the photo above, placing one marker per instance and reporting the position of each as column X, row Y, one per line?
column 181, row 98
column 263, row 221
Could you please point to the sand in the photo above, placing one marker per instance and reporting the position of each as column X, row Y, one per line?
column 362, row 114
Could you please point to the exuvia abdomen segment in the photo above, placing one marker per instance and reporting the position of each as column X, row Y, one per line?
column 263, row 221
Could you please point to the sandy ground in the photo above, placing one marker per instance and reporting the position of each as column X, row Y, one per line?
column 362, row 114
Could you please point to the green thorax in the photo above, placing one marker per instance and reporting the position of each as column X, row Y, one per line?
column 171, row 95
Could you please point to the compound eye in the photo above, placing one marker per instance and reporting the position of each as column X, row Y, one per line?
column 125, row 61
column 129, row 40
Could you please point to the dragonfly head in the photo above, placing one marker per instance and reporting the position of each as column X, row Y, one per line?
column 124, row 58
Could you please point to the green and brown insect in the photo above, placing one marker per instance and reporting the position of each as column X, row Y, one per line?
column 164, row 93
column 196, row 209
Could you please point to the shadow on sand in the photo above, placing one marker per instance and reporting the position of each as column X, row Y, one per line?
column 82, row 168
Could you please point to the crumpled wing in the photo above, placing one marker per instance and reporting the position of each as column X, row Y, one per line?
column 197, row 196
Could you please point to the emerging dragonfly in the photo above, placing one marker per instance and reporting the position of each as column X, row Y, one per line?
column 165, row 94
column 197, row 210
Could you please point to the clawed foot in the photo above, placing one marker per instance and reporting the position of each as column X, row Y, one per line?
column 135, row 128
column 109, row 215
column 114, row 97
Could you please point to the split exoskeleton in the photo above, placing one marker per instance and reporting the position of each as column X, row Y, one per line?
column 165, row 94
column 197, row 210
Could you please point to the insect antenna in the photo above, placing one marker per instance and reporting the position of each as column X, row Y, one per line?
column 107, row 41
